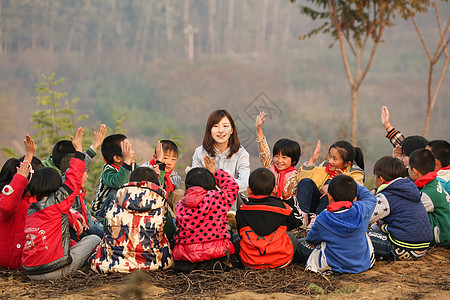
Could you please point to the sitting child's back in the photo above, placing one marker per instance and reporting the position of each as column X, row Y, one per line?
column 134, row 233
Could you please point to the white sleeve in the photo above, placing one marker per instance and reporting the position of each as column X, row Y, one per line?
column 243, row 171
column 197, row 158
column 382, row 208
column 426, row 201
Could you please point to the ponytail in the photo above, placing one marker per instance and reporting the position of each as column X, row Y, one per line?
column 359, row 157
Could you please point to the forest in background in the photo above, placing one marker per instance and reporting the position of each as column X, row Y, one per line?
column 134, row 57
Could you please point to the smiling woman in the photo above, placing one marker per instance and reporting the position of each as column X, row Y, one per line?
column 221, row 143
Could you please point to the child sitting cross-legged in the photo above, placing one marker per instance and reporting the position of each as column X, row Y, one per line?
column 401, row 229
column 263, row 223
column 434, row 197
column 203, row 238
column 338, row 241
column 134, row 233
column 47, row 253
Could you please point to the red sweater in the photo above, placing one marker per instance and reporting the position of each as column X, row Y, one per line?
column 13, row 210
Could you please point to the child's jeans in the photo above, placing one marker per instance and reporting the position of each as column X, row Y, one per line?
column 385, row 250
column 303, row 251
column 79, row 253
column 308, row 197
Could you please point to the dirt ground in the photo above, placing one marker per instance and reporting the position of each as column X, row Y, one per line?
column 428, row 278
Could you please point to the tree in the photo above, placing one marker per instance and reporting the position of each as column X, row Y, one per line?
column 357, row 25
column 441, row 49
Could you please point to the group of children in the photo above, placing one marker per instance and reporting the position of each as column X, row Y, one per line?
column 142, row 219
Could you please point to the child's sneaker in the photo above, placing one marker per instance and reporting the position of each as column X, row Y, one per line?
column 312, row 218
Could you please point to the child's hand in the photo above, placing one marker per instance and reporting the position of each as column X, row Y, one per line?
column 157, row 170
column 210, row 164
column 315, row 155
column 78, row 140
column 24, row 169
column 260, row 118
column 99, row 136
column 127, row 152
column 159, row 151
column 339, row 172
column 287, row 191
column 385, row 119
column 324, row 191
column 30, row 147
column 397, row 152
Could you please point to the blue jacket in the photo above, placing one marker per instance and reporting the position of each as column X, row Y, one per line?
column 407, row 221
column 344, row 232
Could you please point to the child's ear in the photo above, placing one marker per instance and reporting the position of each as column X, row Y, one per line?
column 354, row 199
column 383, row 181
column 117, row 159
column 249, row 191
column 347, row 164
column 274, row 191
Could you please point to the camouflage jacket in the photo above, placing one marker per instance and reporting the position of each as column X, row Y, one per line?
column 134, row 232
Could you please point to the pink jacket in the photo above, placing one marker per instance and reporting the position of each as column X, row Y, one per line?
column 201, row 218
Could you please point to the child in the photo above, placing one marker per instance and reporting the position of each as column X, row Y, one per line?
column 201, row 217
column 134, row 237
column 441, row 150
column 262, row 224
column 119, row 158
column 14, row 206
column 47, row 253
column 435, row 199
column 312, row 188
column 338, row 241
column 286, row 155
column 405, row 232
column 80, row 219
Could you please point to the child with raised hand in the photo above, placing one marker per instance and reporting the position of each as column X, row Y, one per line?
column 14, row 206
column 47, row 253
column 401, row 229
column 119, row 158
column 338, row 241
column 263, row 223
column 286, row 154
column 134, row 236
column 203, row 237
column 434, row 197
column 312, row 189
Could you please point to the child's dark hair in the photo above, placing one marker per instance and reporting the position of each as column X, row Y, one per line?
column 422, row 160
column 65, row 162
column 349, row 153
column 144, row 174
column 288, row 148
column 342, row 188
column 111, row 147
column 61, row 149
column 389, row 168
column 200, row 177
column 261, row 182
column 412, row 143
column 441, row 150
column 9, row 169
column 44, row 182
column 168, row 145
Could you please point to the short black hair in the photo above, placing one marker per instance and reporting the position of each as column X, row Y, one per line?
column 144, row 174
column 9, row 169
column 261, row 182
column 342, row 188
column 441, row 150
column 389, row 168
column 200, row 177
column 65, row 162
column 288, row 148
column 111, row 147
column 412, row 143
column 423, row 160
column 61, row 149
column 44, row 182
column 168, row 145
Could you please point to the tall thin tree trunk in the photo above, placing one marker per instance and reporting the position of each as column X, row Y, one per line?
column 99, row 43
column 169, row 25
column 51, row 44
column 229, row 44
column 33, row 27
column 212, row 33
column 274, row 28
column 71, row 33
column 186, row 21
column 354, row 114
column 261, row 44
column 146, row 25
column 1, row 40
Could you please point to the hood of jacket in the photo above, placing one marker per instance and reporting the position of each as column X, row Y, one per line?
column 343, row 223
column 403, row 188
column 194, row 196
column 140, row 196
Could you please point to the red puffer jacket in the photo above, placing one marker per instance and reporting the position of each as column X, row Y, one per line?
column 47, row 246
column 201, row 217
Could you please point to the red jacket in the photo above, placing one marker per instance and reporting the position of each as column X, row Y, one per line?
column 13, row 210
column 202, row 221
column 47, row 246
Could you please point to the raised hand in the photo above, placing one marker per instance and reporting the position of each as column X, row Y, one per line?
column 127, row 152
column 209, row 164
column 315, row 155
column 260, row 118
column 24, row 169
column 99, row 136
column 77, row 141
column 397, row 152
column 385, row 118
column 30, row 148
column 159, row 151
